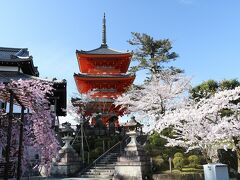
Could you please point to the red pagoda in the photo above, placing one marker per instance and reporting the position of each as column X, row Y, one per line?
column 103, row 71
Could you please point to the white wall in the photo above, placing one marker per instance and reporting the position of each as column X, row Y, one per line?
column 9, row 68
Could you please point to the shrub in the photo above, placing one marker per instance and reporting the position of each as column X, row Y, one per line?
column 157, row 162
column 178, row 162
column 194, row 160
column 178, row 154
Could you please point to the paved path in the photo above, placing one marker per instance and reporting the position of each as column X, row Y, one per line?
column 44, row 178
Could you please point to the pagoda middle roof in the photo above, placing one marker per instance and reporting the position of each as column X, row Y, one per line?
column 104, row 75
column 103, row 50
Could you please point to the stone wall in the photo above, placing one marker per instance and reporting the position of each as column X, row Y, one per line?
column 178, row 176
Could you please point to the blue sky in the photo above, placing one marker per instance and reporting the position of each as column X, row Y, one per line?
column 206, row 34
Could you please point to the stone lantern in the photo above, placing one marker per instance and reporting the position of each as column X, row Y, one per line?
column 133, row 125
column 134, row 163
column 133, row 145
column 66, row 129
column 67, row 162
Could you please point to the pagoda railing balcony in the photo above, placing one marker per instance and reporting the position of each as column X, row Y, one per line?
column 105, row 90
column 103, row 99
column 104, row 70
column 105, row 67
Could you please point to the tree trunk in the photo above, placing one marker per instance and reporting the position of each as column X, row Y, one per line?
column 205, row 155
column 235, row 140
column 238, row 157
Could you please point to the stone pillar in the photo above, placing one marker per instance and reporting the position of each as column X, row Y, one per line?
column 134, row 164
column 67, row 162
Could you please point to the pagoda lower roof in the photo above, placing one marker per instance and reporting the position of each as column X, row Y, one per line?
column 103, row 50
column 92, row 100
column 105, row 76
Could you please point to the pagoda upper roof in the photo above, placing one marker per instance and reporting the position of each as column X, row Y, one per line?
column 18, row 57
column 103, row 50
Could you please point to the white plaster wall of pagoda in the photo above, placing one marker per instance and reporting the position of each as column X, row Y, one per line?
column 9, row 68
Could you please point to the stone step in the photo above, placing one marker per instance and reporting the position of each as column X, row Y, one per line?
column 109, row 158
column 104, row 167
column 113, row 155
column 92, row 179
column 101, row 163
column 96, row 176
column 105, row 163
column 99, row 173
column 102, row 170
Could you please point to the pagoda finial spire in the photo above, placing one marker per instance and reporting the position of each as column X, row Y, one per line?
column 104, row 41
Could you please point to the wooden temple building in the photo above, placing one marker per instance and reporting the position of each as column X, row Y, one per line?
column 16, row 64
column 103, row 71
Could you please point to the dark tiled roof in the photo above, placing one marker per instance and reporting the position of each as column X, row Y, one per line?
column 105, row 75
column 18, row 57
column 13, row 53
column 7, row 76
column 102, row 50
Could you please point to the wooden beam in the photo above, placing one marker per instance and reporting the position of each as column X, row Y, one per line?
column 20, row 148
column 9, row 134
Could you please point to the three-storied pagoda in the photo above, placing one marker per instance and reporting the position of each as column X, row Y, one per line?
column 103, row 71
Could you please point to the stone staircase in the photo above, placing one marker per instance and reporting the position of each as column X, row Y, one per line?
column 104, row 169
column 104, row 166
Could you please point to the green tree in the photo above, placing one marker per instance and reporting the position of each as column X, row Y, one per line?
column 151, row 54
column 229, row 84
column 210, row 87
column 194, row 161
column 205, row 89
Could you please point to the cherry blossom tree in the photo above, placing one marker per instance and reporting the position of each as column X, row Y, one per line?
column 150, row 101
column 78, row 106
column 2, row 130
column 38, row 132
column 209, row 124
